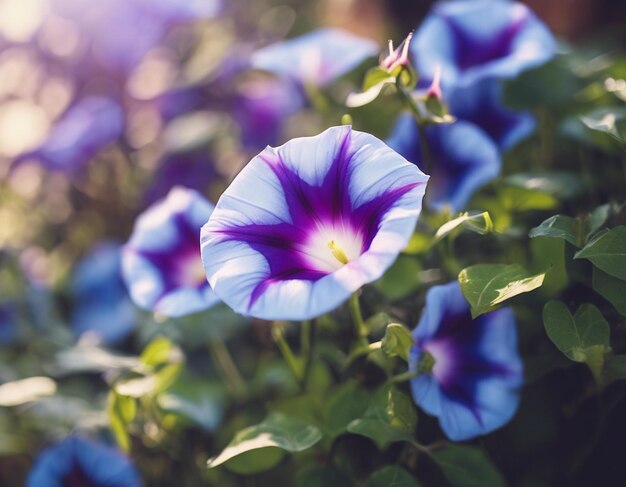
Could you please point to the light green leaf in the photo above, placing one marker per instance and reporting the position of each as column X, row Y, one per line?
column 477, row 222
column 121, row 411
column 260, row 447
column 391, row 476
column 611, row 288
column 467, row 466
column 487, row 285
column 607, row 252
column 376, row 80
column 522, row 199
column 161, row 351
column 558, row 226
column 397, row 341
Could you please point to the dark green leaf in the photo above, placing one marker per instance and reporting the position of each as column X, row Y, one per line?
column 487, row 285
column 397, row 341
column 608, row 252
column 390, row 417
column 563, row 185
column 615, row 368
column 322, row 477
column 559, row 226
column 264, row 444
column 611, row 288
column 610, row 121
column 391, row 476
column 401, row 279
column 349, row 403
column 467, row 466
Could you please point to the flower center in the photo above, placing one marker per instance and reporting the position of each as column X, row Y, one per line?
column 190, row 271
column 329, row 248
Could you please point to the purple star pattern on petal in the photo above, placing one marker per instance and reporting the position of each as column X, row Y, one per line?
column 303, row 226
column 469, row 370
column 161, row 262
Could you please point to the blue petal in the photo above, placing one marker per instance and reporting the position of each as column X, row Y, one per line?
column 86, row 460
column 464, row 158
column 473, row 386
column 161, row 262
column 8, row 323
column 482, row 105
column 265, row 247
column 475, row 39
column 316, row 58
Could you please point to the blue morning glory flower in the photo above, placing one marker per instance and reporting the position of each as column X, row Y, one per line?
column 469, row 370
column 306, row 224
column 81, row 133
column 476, row 39
column 161, row 262
column 463, row 159
column 80, row 462
column 316, row 58
column 482, row 105
column 101, row 303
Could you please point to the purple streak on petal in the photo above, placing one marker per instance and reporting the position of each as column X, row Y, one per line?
column 311, row 207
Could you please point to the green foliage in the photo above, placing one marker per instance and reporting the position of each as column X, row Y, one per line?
column 485, row 286
column 467, row 466
column 389, row 417
column 121, row 411
column 607, row 252
column 611, row 288
column 397, row 341
column 260, row 447
column 610, row 121
column 391, row 476
column 476, row 222
column 583, row 337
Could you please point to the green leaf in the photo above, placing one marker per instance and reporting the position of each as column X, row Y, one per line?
column 197, row 400
column 524, row 199
column 347, row 404
column 487, row 285
column 374, row 76
column 477, row 222
column 260, row 447
column 611, row 288
column 121, row 411
column 322, row 477
column 558, row 226
column 583, row 337
column 610, row 121
column 397, row 341
column 376, row 80
column 607, row 252
column 615, row 368
column 561, row 184
column 161, row 351
column 467, row 466
column 597, row 218
column 390, row 417
column 391, row 476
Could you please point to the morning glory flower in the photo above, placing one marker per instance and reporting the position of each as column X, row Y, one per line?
column 482, row 104
column 464, row 158
column 77, row 461
column 80, row 134
column 476, row 39
column 316, row 58
column 306, row 224
column 161, row 262
column 469, row 371
column 101, row 303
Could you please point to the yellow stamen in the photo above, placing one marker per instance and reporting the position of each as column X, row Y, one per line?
column 338, row 252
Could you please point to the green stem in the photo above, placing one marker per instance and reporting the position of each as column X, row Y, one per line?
column 225, row 364
column 357, row 319
column 309, row 328
column 285, row 350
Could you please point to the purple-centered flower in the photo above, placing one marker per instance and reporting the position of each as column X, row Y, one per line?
column 81, row 133
column 482, row 105
column 475, row 39
column 101, row 303
column 80, row 462
column 316, row 58
column 306, row 224
column 161, row 262
column 463, row 158
column 469, row 371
